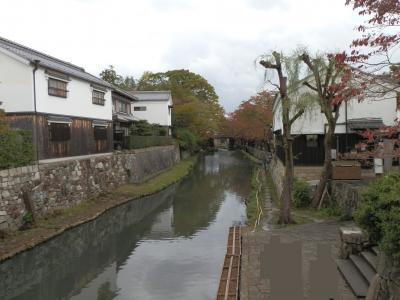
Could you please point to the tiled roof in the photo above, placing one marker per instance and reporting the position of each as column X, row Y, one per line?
column 47, row 61
column 152, row 95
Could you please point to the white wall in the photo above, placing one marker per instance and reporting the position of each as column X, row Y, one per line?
column 157, row 112
column 78, row 102
column 314, row 122
column 16, row 84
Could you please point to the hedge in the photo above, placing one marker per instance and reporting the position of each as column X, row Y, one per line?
column 138, row 141
column 16, row 149
column 379, row 213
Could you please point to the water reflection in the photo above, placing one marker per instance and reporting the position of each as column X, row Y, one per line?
column 175, row 252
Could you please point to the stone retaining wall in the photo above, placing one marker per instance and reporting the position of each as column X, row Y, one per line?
column 346, row 195
column 277, row 170
column 257, row 153
column 59, row 185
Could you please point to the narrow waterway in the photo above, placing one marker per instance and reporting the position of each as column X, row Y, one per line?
column 170, row 245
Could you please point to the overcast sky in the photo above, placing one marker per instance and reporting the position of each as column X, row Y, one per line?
column 219, row 39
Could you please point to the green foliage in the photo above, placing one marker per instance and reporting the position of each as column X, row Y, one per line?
column 187, row 139
column 251, row 205
column 144, row 128
column 196, row 106
column 16, row 149
column 301, row 194
column 27, row 218
column 110, row 75
column 379, row 213
column 138, row 141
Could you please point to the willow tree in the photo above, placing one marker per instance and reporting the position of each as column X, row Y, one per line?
column 332, row 81
column 287, row 70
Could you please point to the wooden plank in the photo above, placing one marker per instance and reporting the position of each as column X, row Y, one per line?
column 228, row 288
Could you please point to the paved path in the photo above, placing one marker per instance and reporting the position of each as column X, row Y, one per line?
column 291, row 263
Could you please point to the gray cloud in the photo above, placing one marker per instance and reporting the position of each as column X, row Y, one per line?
column 218, row 39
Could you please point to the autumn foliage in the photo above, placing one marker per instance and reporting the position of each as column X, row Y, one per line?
column 379, row 35
column 251, row 120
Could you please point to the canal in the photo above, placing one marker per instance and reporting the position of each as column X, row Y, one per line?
column 170, row 245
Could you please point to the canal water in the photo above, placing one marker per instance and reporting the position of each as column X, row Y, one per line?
column 170, row 245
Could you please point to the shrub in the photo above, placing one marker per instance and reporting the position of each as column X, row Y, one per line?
column 162, row 131
column 144, row 128
column 379, row 213
column 187, row 140
column 16, row 149
column 301, row 194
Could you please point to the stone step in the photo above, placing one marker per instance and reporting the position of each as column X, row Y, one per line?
column 363, row 266
column 353, row 277
column 375, row 250
column 371, row 258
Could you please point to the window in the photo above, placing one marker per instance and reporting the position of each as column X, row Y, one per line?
column 312, row 141
column 100, row 133
column 57, row 88
column 59, row 132
column 140, row 108
column 124, row 107
column 98, row 97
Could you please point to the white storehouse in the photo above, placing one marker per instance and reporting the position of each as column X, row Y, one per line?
column 153, row 106
column 354, row 117
column 68, row 110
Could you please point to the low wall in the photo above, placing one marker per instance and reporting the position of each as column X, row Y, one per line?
column 346, row 195
column 60, row 185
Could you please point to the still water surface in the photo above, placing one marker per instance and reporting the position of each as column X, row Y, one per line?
column 167, row 246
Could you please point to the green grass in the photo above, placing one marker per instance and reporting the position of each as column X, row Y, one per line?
column 252, row 206
column 159, row 182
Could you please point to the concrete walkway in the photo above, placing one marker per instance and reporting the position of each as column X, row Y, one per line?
column 296, row 263
column 292, row 263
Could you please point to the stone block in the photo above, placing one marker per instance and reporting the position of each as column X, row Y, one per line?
column 4, row 173
column 352, row 241
column 5, row 194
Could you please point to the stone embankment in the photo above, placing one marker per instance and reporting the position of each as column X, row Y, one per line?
column 45, row 188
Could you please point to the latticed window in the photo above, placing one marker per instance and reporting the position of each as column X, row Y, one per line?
column 98, row 97
column 57, row 88
column 100, row 133
column 59, row 132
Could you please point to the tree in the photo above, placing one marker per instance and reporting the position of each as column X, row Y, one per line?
column 380, row 36
column 251, row 119
column 110, row 75
column 287, row 71
column 196, row 106
column 331, row 80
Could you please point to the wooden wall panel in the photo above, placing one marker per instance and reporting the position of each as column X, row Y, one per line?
column 82, row 140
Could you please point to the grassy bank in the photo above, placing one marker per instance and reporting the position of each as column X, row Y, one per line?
column 59, row 221
column 253, row 204
column 159, row 182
